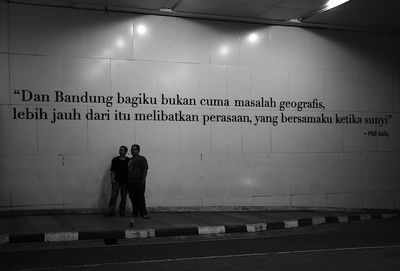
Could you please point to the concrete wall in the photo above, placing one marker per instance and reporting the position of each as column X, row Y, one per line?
column 65, row 165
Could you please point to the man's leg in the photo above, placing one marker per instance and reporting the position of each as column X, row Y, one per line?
column 142, row 201
column 114, row 197
column 132, row 196
column 122, row 204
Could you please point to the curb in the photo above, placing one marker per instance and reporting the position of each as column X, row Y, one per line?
column 185, row 231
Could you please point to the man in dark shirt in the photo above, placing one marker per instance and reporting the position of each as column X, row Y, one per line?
column 136, row 182
column 118, row 172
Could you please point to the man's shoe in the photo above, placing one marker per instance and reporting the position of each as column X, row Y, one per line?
column 145, row 216
column 109, row 214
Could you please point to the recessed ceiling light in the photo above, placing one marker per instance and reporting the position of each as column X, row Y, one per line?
column 166, row 10
column 334, row 3
column 330, row 4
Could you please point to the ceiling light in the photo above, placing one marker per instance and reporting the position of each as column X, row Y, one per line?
column 329, row 5
column 334, row 3
column 166, row 10
column 171, row 6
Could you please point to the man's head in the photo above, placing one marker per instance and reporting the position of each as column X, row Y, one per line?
column 123, row 150
column 135, row 149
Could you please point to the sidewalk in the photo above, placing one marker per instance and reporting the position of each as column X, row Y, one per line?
column 51, row 228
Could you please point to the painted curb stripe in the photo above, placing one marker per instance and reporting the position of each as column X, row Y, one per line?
column 200, row 230
column 235, row 228
column 101, row 235
column 376, row 216
column 61, row 236
column 211, row 229
column 318, row 220
column 365, row 217
column 353, row 218
column 291, row 224
column 4, row 239
column 331, row 219
column 256, row 227
column 176, row 231
column 275, row 226
column 388, row 215
column 304, row 222
column 27, row 238
column 146, row 233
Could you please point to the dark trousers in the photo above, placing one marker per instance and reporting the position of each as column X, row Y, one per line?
column 136, row 194
column 115, row 189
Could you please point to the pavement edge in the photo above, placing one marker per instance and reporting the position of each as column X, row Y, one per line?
column 184, row 231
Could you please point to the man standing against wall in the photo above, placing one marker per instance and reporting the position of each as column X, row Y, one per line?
column 118, row 172
column 136, row 182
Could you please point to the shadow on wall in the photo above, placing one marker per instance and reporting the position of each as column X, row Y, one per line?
column 358, row 51
column 104, row 192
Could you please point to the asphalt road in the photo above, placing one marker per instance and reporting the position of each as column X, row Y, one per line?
column 372, row 245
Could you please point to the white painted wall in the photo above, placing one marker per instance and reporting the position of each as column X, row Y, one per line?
column 65, row 165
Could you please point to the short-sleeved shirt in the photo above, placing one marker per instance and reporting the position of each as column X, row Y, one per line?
column 120, row 168
column 136, row 167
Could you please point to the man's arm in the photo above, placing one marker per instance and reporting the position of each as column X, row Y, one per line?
column 112, row 171
column 144, row 175
column 112, row 174
column 144, row 178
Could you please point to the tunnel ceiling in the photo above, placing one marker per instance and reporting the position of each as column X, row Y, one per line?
column 375, row 15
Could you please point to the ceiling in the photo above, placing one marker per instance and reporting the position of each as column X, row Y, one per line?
column 363, row 15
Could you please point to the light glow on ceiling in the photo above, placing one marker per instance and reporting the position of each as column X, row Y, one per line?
column 334, row 3
column 166, row 10
column 328, row 6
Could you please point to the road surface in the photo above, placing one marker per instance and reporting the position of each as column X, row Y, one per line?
column 372, row 245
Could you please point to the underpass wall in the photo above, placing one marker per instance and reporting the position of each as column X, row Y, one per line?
column 227, row 114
